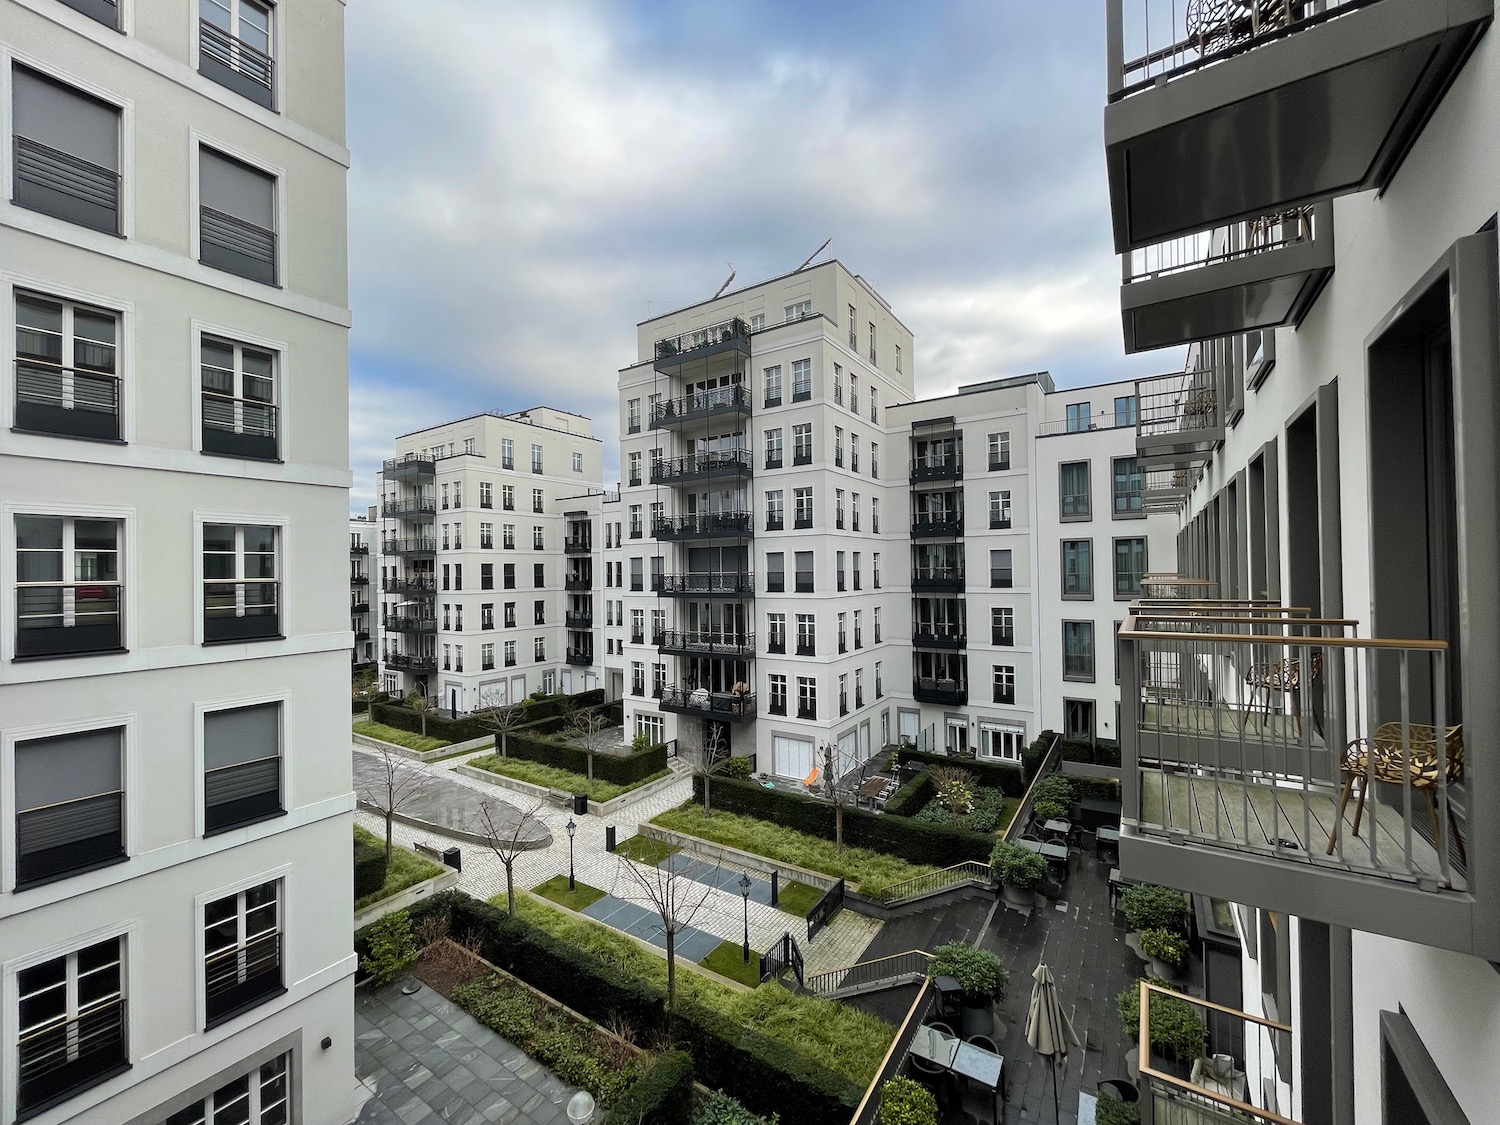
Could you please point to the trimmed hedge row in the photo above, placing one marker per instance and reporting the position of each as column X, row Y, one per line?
column 992, row 775
column 1033, row 755
column 1098, row 788
column 912, row 797
column 369, row 867
column 396, row 714
column 1090, row 754
column 900, row 836
column 627, row 770
column 765, row 1075
column 661, row 1096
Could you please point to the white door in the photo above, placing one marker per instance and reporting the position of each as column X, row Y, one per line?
column 907, row 725
column 791, row 757
column 864, row 742
column 958, row 736
column 848, row 753
column 518, row 688
column 567, row 682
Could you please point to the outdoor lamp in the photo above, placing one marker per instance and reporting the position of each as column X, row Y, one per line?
column 745, row 894
column 572, row 883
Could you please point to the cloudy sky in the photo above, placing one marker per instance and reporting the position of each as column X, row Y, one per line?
column 532, row 179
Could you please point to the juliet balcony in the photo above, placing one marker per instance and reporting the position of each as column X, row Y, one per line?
column 729, row 706
column 1290, row 764
column 1229, row 111
column 416, row 507
column 725, row 464
column 708, row 525
column 1179, row 418
column 683, row 643
column 1250, row 275
column 726, row 584
column 728, row 337
column 69, row 402
column 721, row 402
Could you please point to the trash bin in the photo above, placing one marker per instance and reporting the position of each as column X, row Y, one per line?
column 609, row 837
column 580, row 804
column 453, row 858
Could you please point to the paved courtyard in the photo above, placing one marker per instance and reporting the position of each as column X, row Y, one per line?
column 439, row 800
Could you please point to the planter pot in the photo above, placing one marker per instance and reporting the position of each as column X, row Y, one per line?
column 1019, row 897
column 1163, row 969
column 977, row 1018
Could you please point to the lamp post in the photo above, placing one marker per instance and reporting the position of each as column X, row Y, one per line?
column 572, row 828
column 745, row 894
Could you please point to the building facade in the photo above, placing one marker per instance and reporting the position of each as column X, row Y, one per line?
column 173, row 451
column 363, row 537
column 1330, row 450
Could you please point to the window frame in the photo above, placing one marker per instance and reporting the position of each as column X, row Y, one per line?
column 1087, row 514
column 1083, row 552
column 124, row 144
column 200, row 617
column 1093, row 653
column 200, row 142
column 1130, row 595
column 201, row 710
column 72, row 302
column 281, row 877
column 1138, row 512
column 126, row 560
column 267, row 95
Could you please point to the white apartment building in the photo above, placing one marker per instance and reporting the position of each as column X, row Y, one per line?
column 363, row 535
column 1315, row 213
column 174, row 936
column 487, row 557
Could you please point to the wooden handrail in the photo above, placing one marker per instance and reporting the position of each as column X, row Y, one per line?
column 1321, row 642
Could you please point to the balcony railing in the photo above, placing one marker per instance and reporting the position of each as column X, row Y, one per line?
column 733, row 706
column 940, row 525
column 361, row 606
column 241, row 611
column 704, row 643
column 578, row 545
column 733, row 399
column 578, row 584
column 65, row 186
column 728, row 335
column 707, row 525
column 405, row 468
column 67, row 401
column 702, row 466
column 578, row 657
column 419, row 585
column 939, row 636
column 1104, row 420
column 728, row 584
column 934, row 468
column 414, row 506
column 227, row 242
column 953, row 693
column 68, row 618
column 59, row 1059
column 239, row 427
column 409, row 662
column 409, row 624
column 1181, row 418
column 937, row 578
column 418, row 545
column 575, row 619
column 69, row 836
column 241, row 977
column 235, row 64
column 1165, row 490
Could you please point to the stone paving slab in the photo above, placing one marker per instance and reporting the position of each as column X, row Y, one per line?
column 692, row 944
column 440, row 802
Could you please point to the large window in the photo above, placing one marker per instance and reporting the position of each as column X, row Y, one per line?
column 241, row 951
column 807, row 697
column 1000, row 451
column 654, row 727
column 1127, row 477
column 234, row 47
column 1002, row 626
column 241, row 595
column 1005, row 684
column 775, row 572
column 71, row 1026
column 804, row 565
column 801, row 380
column 67, row 377
column 1130, row 567
column 67, row 152
column 802, row 445
column 1000, row 569
column 802, row 507
column 777, row 684
column 1125, row 410
column 1000, row 509
column 1002, row 743
column 237, row 217
column 773, row 385
column 1077, row 568
column 1078, row 417
column 68, row 589
column 775, row 510
column 241, row 766
column 239, row 399
column 1078, row 650
column 259, row 1097
column 70, row 799
column 1073, row 490
column 807, row 634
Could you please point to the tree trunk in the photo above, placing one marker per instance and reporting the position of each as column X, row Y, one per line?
column 510, row 890
column 707, row 777
column 423, row 713
column 502, row 746
column 671, row 968
column 590, row 753
column 390, row 829
column 838, row 823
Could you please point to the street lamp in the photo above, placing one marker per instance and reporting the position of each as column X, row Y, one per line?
column 745, row 894
column 572, row 828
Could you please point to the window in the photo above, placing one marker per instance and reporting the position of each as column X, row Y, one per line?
column 898, row 359
column 876, row 613
column 1000, row 508
column 234, row 48
column 773, row 385
column 1127, row 485
column 510, row 654
column 654, row 727
column 637, row 677
column 70, row 799
column 757, row 322
column 776, row 633
column 634, row 462
column 804, row 561
column 658, row 680
column 486, row 576
column 875, row 568
column 853, row 452
column 854, row 393
column 801, row 380
column 71, row 1030
column 1073, row 490
column 240, row 591
column 486, row 494
column 539, row 649
column 539, row 612
column 838, row 507
column 1078, row 417
column 800, row 311
column 777, row 685
column 1000, row 572
column 775, row 510
column 773, row 448
column 874, row 509
column 838, row 446
column 844, row 694
column 872, row 342
column 1125, row 410
column 104, row 11
column 1003, row 743
column 637, row 575
column 1078, row 650
column 508, row 458
column 469, row 446
column 487, row 539
column 236, row 217
column 633, row 416
column 775, row 572
column 508, row 536
column 241, row 766
column 458, row 576
column 1000, row 452
column 507, row 576
column 879, row 681
column 508, row 497
column 1005, row 684
column 67, row 376
column 258, row 1097
column 807, row 634
column 807, row 697
column 1002, row 626
column 838, row 571
column 578, row 462
column 853, row 330
column 857, row 584
column 67, row 153
column 802, row 444
column 838, row 385
column 802, row 507
column 458, row 537
column 487, row 615
column 536, row 458
column 538, row 542
column 536, row 500
column 1077, row 568
column 859, row 641
column 635, row 521
column 1130, row 567
column 874, row 417
column 241, row 951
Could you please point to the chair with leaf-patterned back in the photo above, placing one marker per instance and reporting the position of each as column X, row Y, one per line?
column 1397, row 761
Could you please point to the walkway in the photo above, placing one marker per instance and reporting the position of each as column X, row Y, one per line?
column 421, row 1060
column 439, row 802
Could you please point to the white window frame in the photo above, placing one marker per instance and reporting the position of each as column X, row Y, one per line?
column 279, row 875
column 197, row 141
column 1009, row 732
column 283, row 566
column 203, row 708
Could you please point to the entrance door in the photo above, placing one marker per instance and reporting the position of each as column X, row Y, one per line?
column 1078, row 720
column 958, row 736
column 907, row 725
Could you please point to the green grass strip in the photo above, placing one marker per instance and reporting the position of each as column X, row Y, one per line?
column 645, row 849
column 798, row 898
column 400, row 737
column 728, row 960
column 553, row 778
column 406, row 869
column 556, row 888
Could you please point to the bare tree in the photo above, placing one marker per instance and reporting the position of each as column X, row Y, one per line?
column 588, row 726
column 508, row 840
column 392, row 785
column 496, row 716
column 675, row 899
column 706, row 751
column 421, row 704
column 840, row 780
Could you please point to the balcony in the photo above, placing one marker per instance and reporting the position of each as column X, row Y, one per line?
column 951, row 693
column 726, row 337
column 409, row 662
column 940, row 578
column 359, row 548
column 409, row 624
column 410, row 467
column 420, row 545
column 66, row 1056
column 721, row 402
column 1165, row 490
column 1251, row 275
column 579, row 619
column 729, row 584
column 359, row 607
column 733, row 707
column 359, row 579
column 414, row 508
column 720, row 464
column 239, row 427
column 67, row 402
column 1219, row 112
column 1181, row 419
column 415, row 584
column 578, row 583
column 1250, row 736
column 939, row 636
column 580, row 658
column 936, row 469
column 241, row 611
column 239, row 66
column 938, row 525
column 578, row 545
column 68, row 619
column 709, row 525
column 705, row 643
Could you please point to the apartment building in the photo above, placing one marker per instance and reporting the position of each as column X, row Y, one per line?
column 173, row 447
column 1315, row 215
column 487, row 557
column 363, row 534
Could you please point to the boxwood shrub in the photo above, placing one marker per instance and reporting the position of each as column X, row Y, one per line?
column 369, row 867
column 1100, row 754
column 661, row 1096
column 912, row 797
column 626, row 770
column 992, row 775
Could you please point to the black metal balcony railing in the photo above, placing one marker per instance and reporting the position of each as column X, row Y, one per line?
column 235, row 245
column 939, row 635
column 952, row 692
column 67, row 401
column 409, row 662
column 732, row 706
column 776, row 645
column 939, row 525
column 359, row 579
column 937, row 578
column 69, row 836
column 775, row 522
column 59, row 1059
column 578, row 583
column 705, row 525
column 68, row 618
column 705, row 643
column 579, row 657
column 700, row 466
column 241, row 611
column 414, row 506
column 404, row 623
column 239, row 427
column 418, row 545
column 843, row 704
column 238, row 65
column 933, row 468
column 407, row 467
column 238, row 978
column 802, row 457
column 241, row 793
column 733, row 584
column 65, row 186
column 807, row 710
column 578, row 545
column 361, row 606
column 773, row 460
column 417, row 584
column 802, row 520
column 578, row 619
column 731, row 399
column 358, row 548
column 807, row 648
column 726, row 335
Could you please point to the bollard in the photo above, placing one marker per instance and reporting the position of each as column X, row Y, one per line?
column 775, row 888
column 609, row 837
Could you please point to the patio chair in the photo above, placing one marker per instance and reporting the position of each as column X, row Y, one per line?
column 812, row 778
column 1278, row 676
column 1383, row 752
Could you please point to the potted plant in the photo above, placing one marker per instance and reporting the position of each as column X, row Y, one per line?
column 1019, row 872
column 1177, row 1031
column 1166, row 950
column 1045, row 810
column 906, row 1102
column 980, row 974
column 1149, row 907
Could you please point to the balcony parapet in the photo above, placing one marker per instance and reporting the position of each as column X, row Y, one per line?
column 708, row 525
column 734, row 707
column 733, row 399
column 702, row 466
column 727, row 584
column 704, row 644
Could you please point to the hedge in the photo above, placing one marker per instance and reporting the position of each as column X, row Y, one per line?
column 992, row 775
column 661, row 1096
column 629, row 769
column 1033, row 755
column 398, row 715
column 765, row 1075
column 901, row 836
column 1100, row 754
column 1097, row 788
column 912, row 797
column 369, row 867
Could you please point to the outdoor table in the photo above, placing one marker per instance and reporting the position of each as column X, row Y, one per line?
column 1109, row 836
column 871, row 788
column 1053, row 853
column 984, row 1067
column 1057, row 828
column 1094, row 813
column 932, row 1045
column 1030, row 845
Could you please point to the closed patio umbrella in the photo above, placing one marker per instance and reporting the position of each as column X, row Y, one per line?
column 1047, row 1029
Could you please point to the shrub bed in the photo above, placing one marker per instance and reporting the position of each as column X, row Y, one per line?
column 399, row 737
column 663, row 1095
column 369, row 864
column 992, row 775
column 406, row 869
column 396, row 714
column 1101, row 754
column 624, row 770
column 1098, row 788
column 523, row 769
column 912, row 797
column 1033, row 756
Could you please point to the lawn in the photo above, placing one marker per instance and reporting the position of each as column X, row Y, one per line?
column 400, row 737
column 406, row 869
column 644, row 849
column 842, row 1038
column 728, row 960
column 871, row 871
column 554, row 778
column 556, row 888
column 798, row 898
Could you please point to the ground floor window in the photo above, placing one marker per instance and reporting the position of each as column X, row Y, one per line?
column 1001, row 743
column 255, row 1098
column 654, row 727
column 792, row 757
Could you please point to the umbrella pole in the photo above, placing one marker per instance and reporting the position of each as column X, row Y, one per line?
column 1056, row 1116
